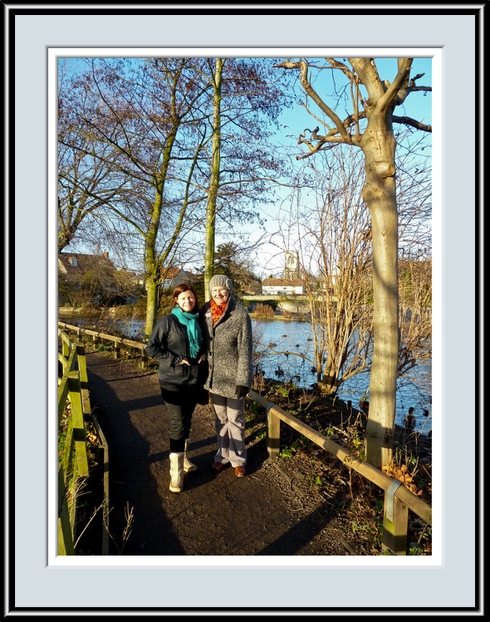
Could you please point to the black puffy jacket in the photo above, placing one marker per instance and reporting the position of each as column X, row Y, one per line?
column 168, row 343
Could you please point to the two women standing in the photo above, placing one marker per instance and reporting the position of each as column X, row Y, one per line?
column 211, row 346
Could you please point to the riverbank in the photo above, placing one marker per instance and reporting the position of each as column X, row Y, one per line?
column 125, row 312
column 94, row 311
column 346, row 425
column 283, row 349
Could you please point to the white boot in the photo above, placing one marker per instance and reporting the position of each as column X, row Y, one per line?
column 188, row 465
column 176, row 472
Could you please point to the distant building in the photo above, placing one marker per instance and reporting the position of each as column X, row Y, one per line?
column 88, row 277
column 283, row 287
column 171, row 277
column 138, row 279
column 291, row 270
column 252, row 288
column 330, row 284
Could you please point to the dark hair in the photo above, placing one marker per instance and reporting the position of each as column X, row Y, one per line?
column 185, row 287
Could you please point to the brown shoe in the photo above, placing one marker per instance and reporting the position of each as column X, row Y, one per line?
column 240, row 471
column 217, row 467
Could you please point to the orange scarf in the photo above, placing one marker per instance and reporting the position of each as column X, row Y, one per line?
column 217, row 310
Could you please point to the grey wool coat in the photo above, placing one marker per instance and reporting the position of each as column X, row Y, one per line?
column 229, row 348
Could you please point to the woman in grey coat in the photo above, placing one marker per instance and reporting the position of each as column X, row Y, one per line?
column 228, row 337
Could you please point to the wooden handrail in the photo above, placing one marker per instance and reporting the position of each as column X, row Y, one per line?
column 398, row 499
column 117, row 341
column 73, row 387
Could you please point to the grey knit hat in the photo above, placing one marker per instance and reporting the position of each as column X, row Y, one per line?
column 220, row 280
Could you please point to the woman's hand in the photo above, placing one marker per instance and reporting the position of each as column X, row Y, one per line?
column 183, row 361
column 202, row 358
column 241, row 391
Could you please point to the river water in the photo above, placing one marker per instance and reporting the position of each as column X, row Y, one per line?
column 414, row 390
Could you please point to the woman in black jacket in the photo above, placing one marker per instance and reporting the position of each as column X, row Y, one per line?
column 177, row 343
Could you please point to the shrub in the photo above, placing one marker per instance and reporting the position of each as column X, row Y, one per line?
column 264, row 310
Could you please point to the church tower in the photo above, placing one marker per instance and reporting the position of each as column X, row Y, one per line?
column 291, row 270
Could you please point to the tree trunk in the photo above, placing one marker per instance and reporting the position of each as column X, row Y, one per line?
column 379, row 193
column 153, row 266
column 213, row 181
column 153, row 293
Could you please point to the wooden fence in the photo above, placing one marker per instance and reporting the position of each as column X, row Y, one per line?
column 398, row 500
column 73, row 464
column 117, row 342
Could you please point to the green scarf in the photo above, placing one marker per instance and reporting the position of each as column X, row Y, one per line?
column 189, row 320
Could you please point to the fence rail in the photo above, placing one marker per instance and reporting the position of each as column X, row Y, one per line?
column 398, row 500
column 116, row 341
column 73, row 464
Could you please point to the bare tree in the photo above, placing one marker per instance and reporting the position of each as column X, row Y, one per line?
column 88, row 176
column 243, row 166
column 333, row 237
column 368, row 125
column 155, row 118
column 333, row 241
column 144, row 114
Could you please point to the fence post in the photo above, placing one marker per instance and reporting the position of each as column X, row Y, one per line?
column 273, row 433
column 395, row 522
column 117, row 348
column 65, row 348
column 82, row 364
column 82, row 368
column 105, row 486
column 81, row 458
column 273, row 424
column 65, row 535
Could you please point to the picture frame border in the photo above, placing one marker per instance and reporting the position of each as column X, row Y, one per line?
column 32, row 584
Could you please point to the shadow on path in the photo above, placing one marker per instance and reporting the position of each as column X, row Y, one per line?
column 260, row 514
column 134, row 460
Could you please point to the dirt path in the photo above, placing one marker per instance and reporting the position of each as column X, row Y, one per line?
column 271, row 511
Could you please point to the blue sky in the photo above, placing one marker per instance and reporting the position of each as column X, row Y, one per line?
column 416, row 105
column 269, row 260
